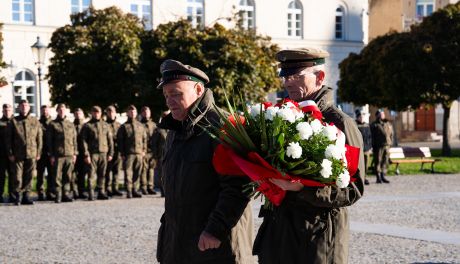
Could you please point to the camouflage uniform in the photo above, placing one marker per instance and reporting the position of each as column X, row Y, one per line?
column 43, row 163
column 382, row 138
column 80, row 169
column 113, row 166
column 5, row 164
column 132, row 144
column 158, row 141
column 62, row 145
column 24, row 142
column 147, row 179
column 97, row 143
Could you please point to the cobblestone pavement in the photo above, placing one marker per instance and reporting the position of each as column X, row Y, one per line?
column 415, row 219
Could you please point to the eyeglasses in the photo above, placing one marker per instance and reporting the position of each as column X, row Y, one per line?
column 296, row 77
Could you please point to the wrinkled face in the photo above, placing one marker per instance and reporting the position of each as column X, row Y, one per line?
column 146, row 113
column 45, row 111
column 111, row 114
column 7, row 112
column 132, row 113
column 381, row 115
column 96, row 115
column 24, row 108
column 180, row 95
column 303, row 85
column 61, row 111
column 78, row 114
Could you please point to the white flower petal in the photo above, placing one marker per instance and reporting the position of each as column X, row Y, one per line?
column 294, row 150
column 305, row 130
column 326, row 170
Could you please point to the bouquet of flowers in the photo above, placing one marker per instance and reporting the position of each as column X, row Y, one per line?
column 287, row 141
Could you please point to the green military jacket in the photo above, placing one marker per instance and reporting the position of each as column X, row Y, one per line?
column 45, row 121
column 382, row 133
column 3, row 125
column 132, row 138
column 78, row 124
column 61, row 138
column 114, row 125
column 96, row 138
column 151, row 128
column 24, row 137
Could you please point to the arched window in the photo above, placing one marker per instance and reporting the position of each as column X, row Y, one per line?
column 195, row 12
column 295, row 17
column 24, row 88
column 339, row 22
column 247, row 13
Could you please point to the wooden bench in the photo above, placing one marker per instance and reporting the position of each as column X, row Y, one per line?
column 398, row 155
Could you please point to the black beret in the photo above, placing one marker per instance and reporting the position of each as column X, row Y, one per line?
column 172, row 70
column 295, row 60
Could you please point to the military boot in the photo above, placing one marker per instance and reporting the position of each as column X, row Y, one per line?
column 102, row 196
column 382, row 176
column 15, row 198
column 379, row 180
column 66, row 198
column 83, row 196
column 136, row 194
column 26, row 199
column 58, row 198
column 129, row 195
column 144, row 191
column 117, row 193
column 151, row 191
column 91, row 195
column 41, row 197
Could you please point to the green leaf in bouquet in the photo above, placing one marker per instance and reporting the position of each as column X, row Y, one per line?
column 281, row 140
column 292, row 165
column 263, row 128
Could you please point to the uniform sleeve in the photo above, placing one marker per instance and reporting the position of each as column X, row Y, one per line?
column 120, row 139
column 84, row 140
column 110, row 142
column 145, row 140
column 334, row 197
column 49, row 139
column 9, row 138
column 75, row 142
column 39, row 140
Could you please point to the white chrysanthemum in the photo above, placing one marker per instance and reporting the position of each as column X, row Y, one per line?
column 294, row 150
column 286, row 114
column 270, row 113
column 330, row 132
column 343, row 180
column 332, row 151
column 255, row 110
column 288, row 105
column 326, row 170
column 316, row 126
column 340, row 142
column 305, row 130
column 299, row 115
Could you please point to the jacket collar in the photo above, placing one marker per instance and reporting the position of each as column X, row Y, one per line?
column 324, row 98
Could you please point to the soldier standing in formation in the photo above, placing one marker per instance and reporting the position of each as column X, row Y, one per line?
column 44, row 162
column 382, row 138
column 113, row 166
column 62, row 152
column 24, row 146
column 5, row 165
column 147, row 180
column 132, row 144
column 80, row 169
column 97, row 147
column 365, row 130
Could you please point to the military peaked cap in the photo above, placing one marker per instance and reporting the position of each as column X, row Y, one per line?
column 295, row 60
column 172, row 70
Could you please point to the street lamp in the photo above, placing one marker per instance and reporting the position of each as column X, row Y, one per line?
column 39, row 51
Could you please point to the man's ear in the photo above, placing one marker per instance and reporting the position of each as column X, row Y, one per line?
column 199, row 88
column 320, row 75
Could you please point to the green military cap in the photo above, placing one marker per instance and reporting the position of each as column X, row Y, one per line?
column 172, row 70
column 111, row 108
column 96, row 109
column 295, row 60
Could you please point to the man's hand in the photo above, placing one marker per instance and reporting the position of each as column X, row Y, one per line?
column 88, row 160
column 38, row 157
column 109, row 158
column 208, row 241
column 52, row 160
column 287, row 185
column 74, row 159
column 11, row 158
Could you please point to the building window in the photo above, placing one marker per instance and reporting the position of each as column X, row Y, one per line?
column 143, row 11
column 79, row 6
column 339, row 22
column 295, row 19
column 247, row 13
column 24, row 88
column 195, row 12
column 23, row 11
column 424, row 8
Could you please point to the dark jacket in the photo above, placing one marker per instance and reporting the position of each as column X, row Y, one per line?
column 96, row 138
column 24, row 137
column 78, row 124
column 132, row 138
column 3, row 125
column 61, row 138
column 114, row 125
column 382, row 133
column 365, row 130
column 197, row 198
column 311, row 226
column 151, row 128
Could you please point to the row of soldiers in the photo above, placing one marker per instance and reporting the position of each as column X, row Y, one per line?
column 80, row 158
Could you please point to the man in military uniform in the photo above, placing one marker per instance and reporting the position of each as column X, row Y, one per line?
column 62, row 152
column 382, row 138
column 5, row 165
column 97, row 147
column 44, row 162
column 158, row 141
column 296, row 228
column 147, row 180
column 207, row 217
column 24, row 146
column 365, row 130
column 80, row 168
column 113, row 166
column 132, row 144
